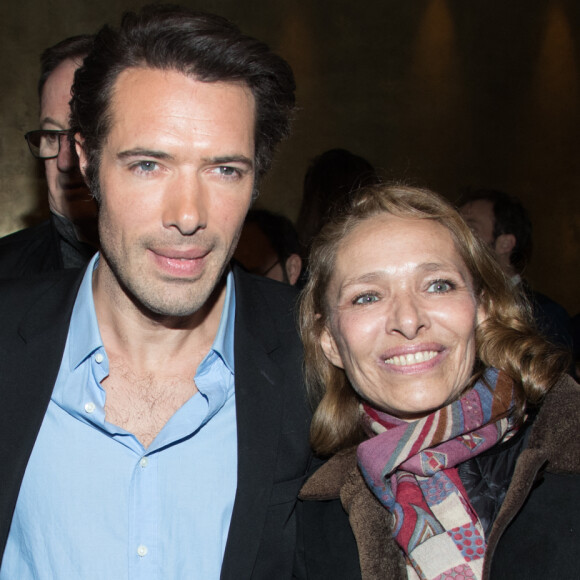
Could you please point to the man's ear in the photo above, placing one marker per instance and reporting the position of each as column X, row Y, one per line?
column 329, row 348
column 293, row 267
column 504, row 244
column 79, row 148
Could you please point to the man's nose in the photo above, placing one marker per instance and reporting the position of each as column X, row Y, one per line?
column 67, row 159
column 185, row 205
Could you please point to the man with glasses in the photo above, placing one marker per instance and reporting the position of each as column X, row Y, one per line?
column 68, row 238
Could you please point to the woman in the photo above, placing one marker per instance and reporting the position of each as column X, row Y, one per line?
column 452, row 428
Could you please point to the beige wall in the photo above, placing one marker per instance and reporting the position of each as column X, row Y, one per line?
column 446, row 93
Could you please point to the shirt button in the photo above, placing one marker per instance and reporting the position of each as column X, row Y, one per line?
column 144, row 462
column 142, row 550
column 99, row 357
column 90, row 407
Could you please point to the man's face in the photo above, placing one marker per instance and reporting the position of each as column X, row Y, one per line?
column 479, row 217
column 176, row 177
column 68, row 195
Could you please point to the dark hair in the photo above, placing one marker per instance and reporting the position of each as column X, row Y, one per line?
column 510, row 217
column 204, row 46
column 506, row 339
column 74, row 47
column 330, row 180
column 280, row 232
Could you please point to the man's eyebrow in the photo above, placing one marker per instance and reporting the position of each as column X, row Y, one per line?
column 51, row 121
column 223, row 160
column 139, row 152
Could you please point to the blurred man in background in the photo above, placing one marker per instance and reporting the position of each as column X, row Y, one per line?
column 502, row 222
column 268, row 246
column 68, row 238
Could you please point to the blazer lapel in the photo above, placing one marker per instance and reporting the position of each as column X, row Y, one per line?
column 31, row 347
column 259, row 410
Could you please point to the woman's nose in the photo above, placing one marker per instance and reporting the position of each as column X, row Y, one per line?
column 407, row 316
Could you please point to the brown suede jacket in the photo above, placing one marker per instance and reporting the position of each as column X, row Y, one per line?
column 536, row 532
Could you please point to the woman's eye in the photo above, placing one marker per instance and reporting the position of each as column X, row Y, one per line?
column 365, row 299
column 440, row 286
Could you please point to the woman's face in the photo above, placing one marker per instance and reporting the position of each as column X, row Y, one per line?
column 402, row 315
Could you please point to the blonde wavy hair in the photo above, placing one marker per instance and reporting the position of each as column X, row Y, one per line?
column 506, row 340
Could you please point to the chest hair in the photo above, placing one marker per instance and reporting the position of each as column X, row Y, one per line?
column 143, row 402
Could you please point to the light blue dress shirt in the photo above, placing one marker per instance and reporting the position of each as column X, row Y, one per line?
column 95, row 504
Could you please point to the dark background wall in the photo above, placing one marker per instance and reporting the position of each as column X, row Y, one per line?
column 444, row 93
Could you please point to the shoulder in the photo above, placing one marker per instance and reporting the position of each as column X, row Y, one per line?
column 551, row 318
column 29, row 251
column 546, row 303
column 40, row 296
column 538, row 521
column 22, row 239
column 329, row 544
column 555, row 430
column 344, row 519
column 328, row 481
column 34, row 287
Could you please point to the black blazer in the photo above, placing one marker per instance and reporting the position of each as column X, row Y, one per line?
column 272, row 412
column 31, row 251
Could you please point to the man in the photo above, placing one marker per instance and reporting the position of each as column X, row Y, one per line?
column 502, row 222
column 153, row 419
column 68, row 238
column 268, row 246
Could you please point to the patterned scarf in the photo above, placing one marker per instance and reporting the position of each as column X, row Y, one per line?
column 410, row 467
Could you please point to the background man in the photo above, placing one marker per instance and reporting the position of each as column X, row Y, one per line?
column 153, row 421
column 503, row 223
column 269, row 246
column 69, row 238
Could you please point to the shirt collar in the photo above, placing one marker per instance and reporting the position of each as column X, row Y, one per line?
column 85, row 337
column 223, row 344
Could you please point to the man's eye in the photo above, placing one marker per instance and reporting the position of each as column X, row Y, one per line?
column 440, row 286
column 365, row 299
column 227, row 171
column 146, row 166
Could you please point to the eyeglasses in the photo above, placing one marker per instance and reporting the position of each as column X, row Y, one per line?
column 45, row 143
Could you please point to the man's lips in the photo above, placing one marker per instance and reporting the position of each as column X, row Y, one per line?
column 74, row 191
column 75, row 185
column 181, row 253
column 185, row 263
